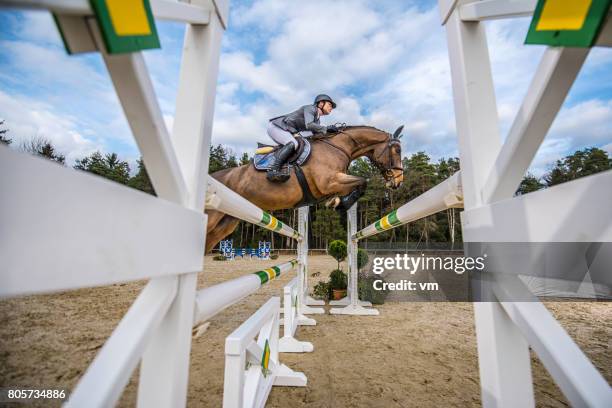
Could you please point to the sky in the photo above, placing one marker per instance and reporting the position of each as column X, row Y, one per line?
column 385, row 62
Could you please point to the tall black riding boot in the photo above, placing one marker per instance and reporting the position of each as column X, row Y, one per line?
column 280, row 157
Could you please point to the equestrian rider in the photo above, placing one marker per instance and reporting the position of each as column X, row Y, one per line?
column 282, row 128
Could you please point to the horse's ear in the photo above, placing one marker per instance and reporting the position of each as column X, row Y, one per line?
column 397, row 133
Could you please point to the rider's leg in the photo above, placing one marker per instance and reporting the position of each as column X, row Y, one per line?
column 280, row 136
column 288, row 143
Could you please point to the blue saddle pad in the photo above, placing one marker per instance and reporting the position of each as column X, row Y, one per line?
column 262, row 161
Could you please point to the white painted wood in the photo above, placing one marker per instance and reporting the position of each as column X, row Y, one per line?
column 213, row 299
column 137, row 96
column 496, row 9
column 182, row 12
column 446, row 8
column 222, row 10
column 75, row 32
column 573, row 372
column 219, row 197
column 250, row 387
column 163, row 375
column 65, row 229
column 162, row 9
column 302, row 251
column 551, row 84
column 479, row 143
column 292, row 318
column 475, row 105
column 354, row 306
column 195, row 105
column 570, row 212
column 109, row 373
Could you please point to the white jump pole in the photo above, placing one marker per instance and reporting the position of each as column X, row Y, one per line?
column 353, row 305
column 447, row 194
column 212, row 300
column 305, row 301
column 221, row 198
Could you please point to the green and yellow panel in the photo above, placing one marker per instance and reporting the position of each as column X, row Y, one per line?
column 126, row 25
column 567, row 23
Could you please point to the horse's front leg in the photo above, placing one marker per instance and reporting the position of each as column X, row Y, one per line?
column 348, row 188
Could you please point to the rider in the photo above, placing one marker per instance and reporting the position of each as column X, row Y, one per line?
column 282, row 128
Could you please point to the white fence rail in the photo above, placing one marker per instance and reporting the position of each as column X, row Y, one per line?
column 254, row 345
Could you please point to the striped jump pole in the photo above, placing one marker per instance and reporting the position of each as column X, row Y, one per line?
column 447, row 194
column 212, row 300
column 221, row 198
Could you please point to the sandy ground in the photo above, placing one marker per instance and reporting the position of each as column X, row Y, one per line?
column 413, row 354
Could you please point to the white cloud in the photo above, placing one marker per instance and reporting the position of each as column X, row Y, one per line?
column 27, row 119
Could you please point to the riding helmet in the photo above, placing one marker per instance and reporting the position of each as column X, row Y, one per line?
column 323, row 97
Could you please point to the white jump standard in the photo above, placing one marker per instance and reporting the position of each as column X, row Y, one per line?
column 255, row 345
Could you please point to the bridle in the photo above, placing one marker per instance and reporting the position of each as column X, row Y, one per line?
column 391, row 141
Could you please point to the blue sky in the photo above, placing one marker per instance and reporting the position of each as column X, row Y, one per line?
column 385, row 62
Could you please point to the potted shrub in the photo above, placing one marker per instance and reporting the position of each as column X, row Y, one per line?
column 337, row 284
column 337, row 249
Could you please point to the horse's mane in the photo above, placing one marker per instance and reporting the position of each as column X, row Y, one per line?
column 360, row 127
column 316, row 137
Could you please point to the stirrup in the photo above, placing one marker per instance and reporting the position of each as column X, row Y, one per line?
column 277, row 176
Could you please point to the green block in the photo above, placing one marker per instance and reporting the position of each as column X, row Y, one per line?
column 584, row 34
column 127, row 26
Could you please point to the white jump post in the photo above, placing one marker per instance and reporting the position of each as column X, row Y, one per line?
column 251, row 360
column 161, row 237
column 353, row 306
column 292, row 318
column 221, row 198
column 304, row 299
column 447, row 194
column 491, row 173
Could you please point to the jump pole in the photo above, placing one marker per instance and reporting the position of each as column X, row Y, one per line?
column 212, row 300
column 447, row 194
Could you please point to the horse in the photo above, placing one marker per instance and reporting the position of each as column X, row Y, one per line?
column 325, row 172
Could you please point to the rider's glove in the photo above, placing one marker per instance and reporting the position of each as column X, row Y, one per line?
column 332, row 129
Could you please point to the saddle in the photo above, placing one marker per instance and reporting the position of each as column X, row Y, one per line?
column 263, row 158
column 264, row 153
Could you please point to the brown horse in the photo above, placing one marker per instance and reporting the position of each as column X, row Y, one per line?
column 325, row 172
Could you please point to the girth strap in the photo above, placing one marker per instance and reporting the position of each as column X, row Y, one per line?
column 307, row 197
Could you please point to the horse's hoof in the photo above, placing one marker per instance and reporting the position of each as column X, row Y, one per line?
column 333, row 202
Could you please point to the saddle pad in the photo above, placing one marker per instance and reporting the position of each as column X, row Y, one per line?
column 262, row 161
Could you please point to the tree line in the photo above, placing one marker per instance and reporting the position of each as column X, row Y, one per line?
column 420, row 175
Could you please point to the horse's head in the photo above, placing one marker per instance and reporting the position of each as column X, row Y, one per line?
column 387, row 157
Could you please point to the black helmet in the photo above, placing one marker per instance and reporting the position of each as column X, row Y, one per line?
column 324, row 97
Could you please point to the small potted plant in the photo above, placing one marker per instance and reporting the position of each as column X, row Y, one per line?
column 337, row 284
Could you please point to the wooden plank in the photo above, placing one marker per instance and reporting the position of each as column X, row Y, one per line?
column 63, row 229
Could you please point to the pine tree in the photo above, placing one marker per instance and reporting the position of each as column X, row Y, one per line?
column 141, row 180
column 108, row 166
column 3, row 138
column 44, row 148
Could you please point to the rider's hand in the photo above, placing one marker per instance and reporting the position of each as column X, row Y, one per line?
column 332, row 129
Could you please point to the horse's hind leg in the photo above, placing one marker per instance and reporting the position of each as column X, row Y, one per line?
column 219, row 230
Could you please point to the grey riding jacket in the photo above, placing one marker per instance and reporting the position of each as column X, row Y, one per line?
column 302, row 119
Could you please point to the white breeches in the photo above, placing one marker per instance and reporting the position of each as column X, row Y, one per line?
column 280, row 136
